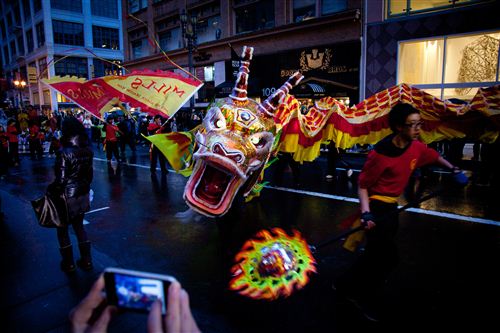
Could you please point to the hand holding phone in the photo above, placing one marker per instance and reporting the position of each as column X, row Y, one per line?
column 92, row 314
column 178, row 318
column 135, row 290
column 95, row 311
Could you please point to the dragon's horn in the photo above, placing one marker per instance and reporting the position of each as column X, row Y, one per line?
column 268, row 107
column 239, row 92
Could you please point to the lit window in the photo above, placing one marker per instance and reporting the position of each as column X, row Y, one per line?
column 471, row 62
column 106, row 38
column 208, row 72
column 472, row 58
column 408, row 7
column 421, row 62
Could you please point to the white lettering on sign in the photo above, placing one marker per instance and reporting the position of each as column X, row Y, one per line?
column 268, row 91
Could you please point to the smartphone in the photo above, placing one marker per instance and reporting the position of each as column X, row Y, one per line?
column 134, row 290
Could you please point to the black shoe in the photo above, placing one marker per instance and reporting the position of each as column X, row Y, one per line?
column 68, row 267
column 67, row 263
column 85, row 264
column 85, row 261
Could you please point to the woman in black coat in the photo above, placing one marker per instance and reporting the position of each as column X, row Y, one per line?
column 74, row 172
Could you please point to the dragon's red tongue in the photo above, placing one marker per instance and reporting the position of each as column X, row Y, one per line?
column 212, row 185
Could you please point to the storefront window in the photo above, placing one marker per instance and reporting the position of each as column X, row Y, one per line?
column 434, row 92
column 208, row 73
column 62, row 99
column 472, row 58
column 421, row 62
column 465, row 94
column 471, row 62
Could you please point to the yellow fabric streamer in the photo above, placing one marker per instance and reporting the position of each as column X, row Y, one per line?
column 177, row 148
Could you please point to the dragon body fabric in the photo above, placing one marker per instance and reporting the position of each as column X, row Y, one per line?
column 367, row 122
column 239, row 137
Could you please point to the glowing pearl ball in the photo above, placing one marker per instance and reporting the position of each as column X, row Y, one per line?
column 273, row 264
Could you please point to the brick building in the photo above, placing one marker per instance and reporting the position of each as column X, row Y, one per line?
column 319, row 37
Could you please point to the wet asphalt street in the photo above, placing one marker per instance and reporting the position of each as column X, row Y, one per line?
column 447, row 277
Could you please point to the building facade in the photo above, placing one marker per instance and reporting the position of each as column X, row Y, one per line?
column 448, row 48
column 43, row 38
column 322, row 38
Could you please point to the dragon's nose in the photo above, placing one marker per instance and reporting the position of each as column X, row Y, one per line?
column 219, row 149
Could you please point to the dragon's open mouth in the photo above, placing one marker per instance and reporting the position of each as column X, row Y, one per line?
column 211, row 188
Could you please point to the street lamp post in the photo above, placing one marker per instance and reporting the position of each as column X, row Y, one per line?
column 189, row 33
column 20, row 85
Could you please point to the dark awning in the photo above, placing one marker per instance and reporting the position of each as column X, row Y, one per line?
column 314, row 87
column 309, row 90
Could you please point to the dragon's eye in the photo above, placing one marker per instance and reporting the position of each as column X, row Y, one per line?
column 219, row 123
column 258, row 141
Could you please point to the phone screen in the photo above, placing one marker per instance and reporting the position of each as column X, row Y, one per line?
column 136, row 292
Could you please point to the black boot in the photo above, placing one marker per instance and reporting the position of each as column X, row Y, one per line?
column 67, row 263
column 85, row 261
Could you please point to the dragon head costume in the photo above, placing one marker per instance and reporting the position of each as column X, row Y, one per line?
column 234, row 142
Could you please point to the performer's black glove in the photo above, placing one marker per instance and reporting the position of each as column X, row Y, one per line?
column 367, row 216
